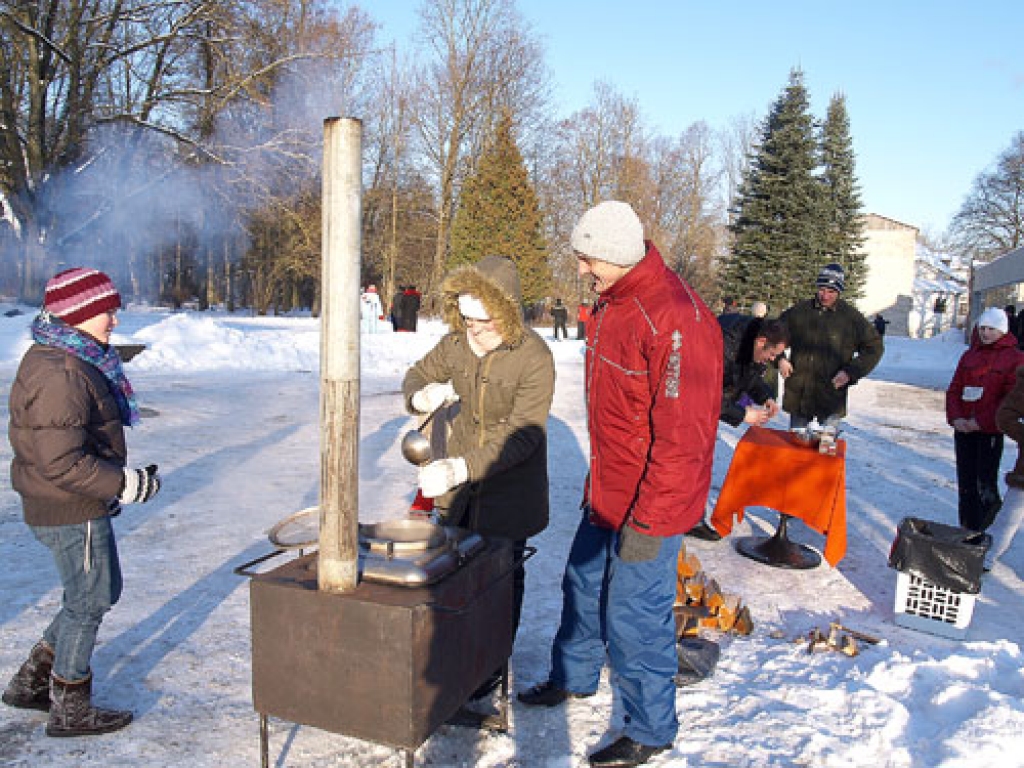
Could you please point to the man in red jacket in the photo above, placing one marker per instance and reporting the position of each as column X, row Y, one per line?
column 653, row 389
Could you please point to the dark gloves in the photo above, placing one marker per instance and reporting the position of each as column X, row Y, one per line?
column 637, row 547
column 139, row 485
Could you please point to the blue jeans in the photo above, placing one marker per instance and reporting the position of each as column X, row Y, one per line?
column 90, row 589
column 625, row 608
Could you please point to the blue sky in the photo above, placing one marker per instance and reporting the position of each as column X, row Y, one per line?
column 934, row 90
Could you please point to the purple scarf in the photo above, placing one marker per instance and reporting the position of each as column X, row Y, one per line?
column 51, row 332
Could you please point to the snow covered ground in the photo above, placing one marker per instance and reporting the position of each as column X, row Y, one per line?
column 231, row 416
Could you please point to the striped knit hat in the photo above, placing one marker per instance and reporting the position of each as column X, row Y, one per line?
column 78, row 294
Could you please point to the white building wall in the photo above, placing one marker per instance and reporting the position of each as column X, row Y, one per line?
column 890, row 250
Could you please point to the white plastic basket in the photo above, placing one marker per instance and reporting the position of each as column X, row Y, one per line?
column 922, row 605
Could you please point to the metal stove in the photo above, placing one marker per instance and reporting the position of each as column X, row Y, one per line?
column 393, row 660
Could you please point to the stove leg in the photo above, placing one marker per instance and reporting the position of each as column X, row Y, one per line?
column 503, row 701
column 264, row 757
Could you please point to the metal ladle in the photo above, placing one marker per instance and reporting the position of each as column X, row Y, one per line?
column 415, row 445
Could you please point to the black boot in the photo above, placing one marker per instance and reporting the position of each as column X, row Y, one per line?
column 30, row 686
column 704, row 532
column 548, row 694
column 625, row 753
column 72, row 712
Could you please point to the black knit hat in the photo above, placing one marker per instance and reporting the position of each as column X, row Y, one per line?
column 832, row 276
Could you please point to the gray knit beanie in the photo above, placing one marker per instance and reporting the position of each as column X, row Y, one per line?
column 610, row 231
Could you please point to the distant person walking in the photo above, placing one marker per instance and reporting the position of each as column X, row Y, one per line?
column 396, row 308
column 370, row 310
column 880, row 323
column 410, row 308
column 582, row 315
column 560, row 316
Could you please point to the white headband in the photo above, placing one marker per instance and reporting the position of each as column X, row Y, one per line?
column 472, row 308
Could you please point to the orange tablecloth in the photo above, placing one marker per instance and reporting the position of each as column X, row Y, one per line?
column 771, row 468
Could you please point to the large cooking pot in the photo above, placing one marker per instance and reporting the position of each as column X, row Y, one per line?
column 401, row 536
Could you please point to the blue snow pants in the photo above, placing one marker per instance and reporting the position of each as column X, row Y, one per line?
column 625, row 608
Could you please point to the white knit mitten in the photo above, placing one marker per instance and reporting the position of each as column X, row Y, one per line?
column 140, row 485
column 439, row 477
column 433, row 396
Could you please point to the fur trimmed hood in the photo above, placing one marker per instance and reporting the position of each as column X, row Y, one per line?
column 494, row 280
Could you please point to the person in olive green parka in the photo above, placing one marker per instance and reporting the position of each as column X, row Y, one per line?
column 494, row 479
column 498, row 376
column 832, row 346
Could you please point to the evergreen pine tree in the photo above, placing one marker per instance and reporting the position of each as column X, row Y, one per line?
column 845, row 234
column 778, row 231
column 499, row 213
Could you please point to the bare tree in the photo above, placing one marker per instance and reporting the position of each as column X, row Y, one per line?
column 687, row 210
column 480, row 55
column 596, row 154
column 737, row 142
column 387, row 148
column 991, row 220
column 187, row 85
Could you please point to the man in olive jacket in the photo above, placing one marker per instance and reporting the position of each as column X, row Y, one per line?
column 832, row 346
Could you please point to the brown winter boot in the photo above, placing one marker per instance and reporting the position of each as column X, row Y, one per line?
column 30, row 686
column 72, row 712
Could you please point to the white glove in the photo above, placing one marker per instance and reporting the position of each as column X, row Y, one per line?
column 433, row 396
column 439, row 477
column 140, row 485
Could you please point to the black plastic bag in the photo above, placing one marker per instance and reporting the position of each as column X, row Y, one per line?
column 697, row 659
column 950, row 557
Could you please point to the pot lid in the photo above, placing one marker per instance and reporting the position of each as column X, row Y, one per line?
column 402, row 535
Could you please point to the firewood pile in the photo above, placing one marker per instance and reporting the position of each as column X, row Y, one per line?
column 701, row 604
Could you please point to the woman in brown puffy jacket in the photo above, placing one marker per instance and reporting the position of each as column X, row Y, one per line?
column 69, row 404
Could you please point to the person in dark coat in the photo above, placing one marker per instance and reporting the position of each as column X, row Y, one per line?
column 749, row 344
column 832, row 346
column 69, row 405
column 880, row 323
column 410, row 308
column 396, row 308
column 560, row 316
